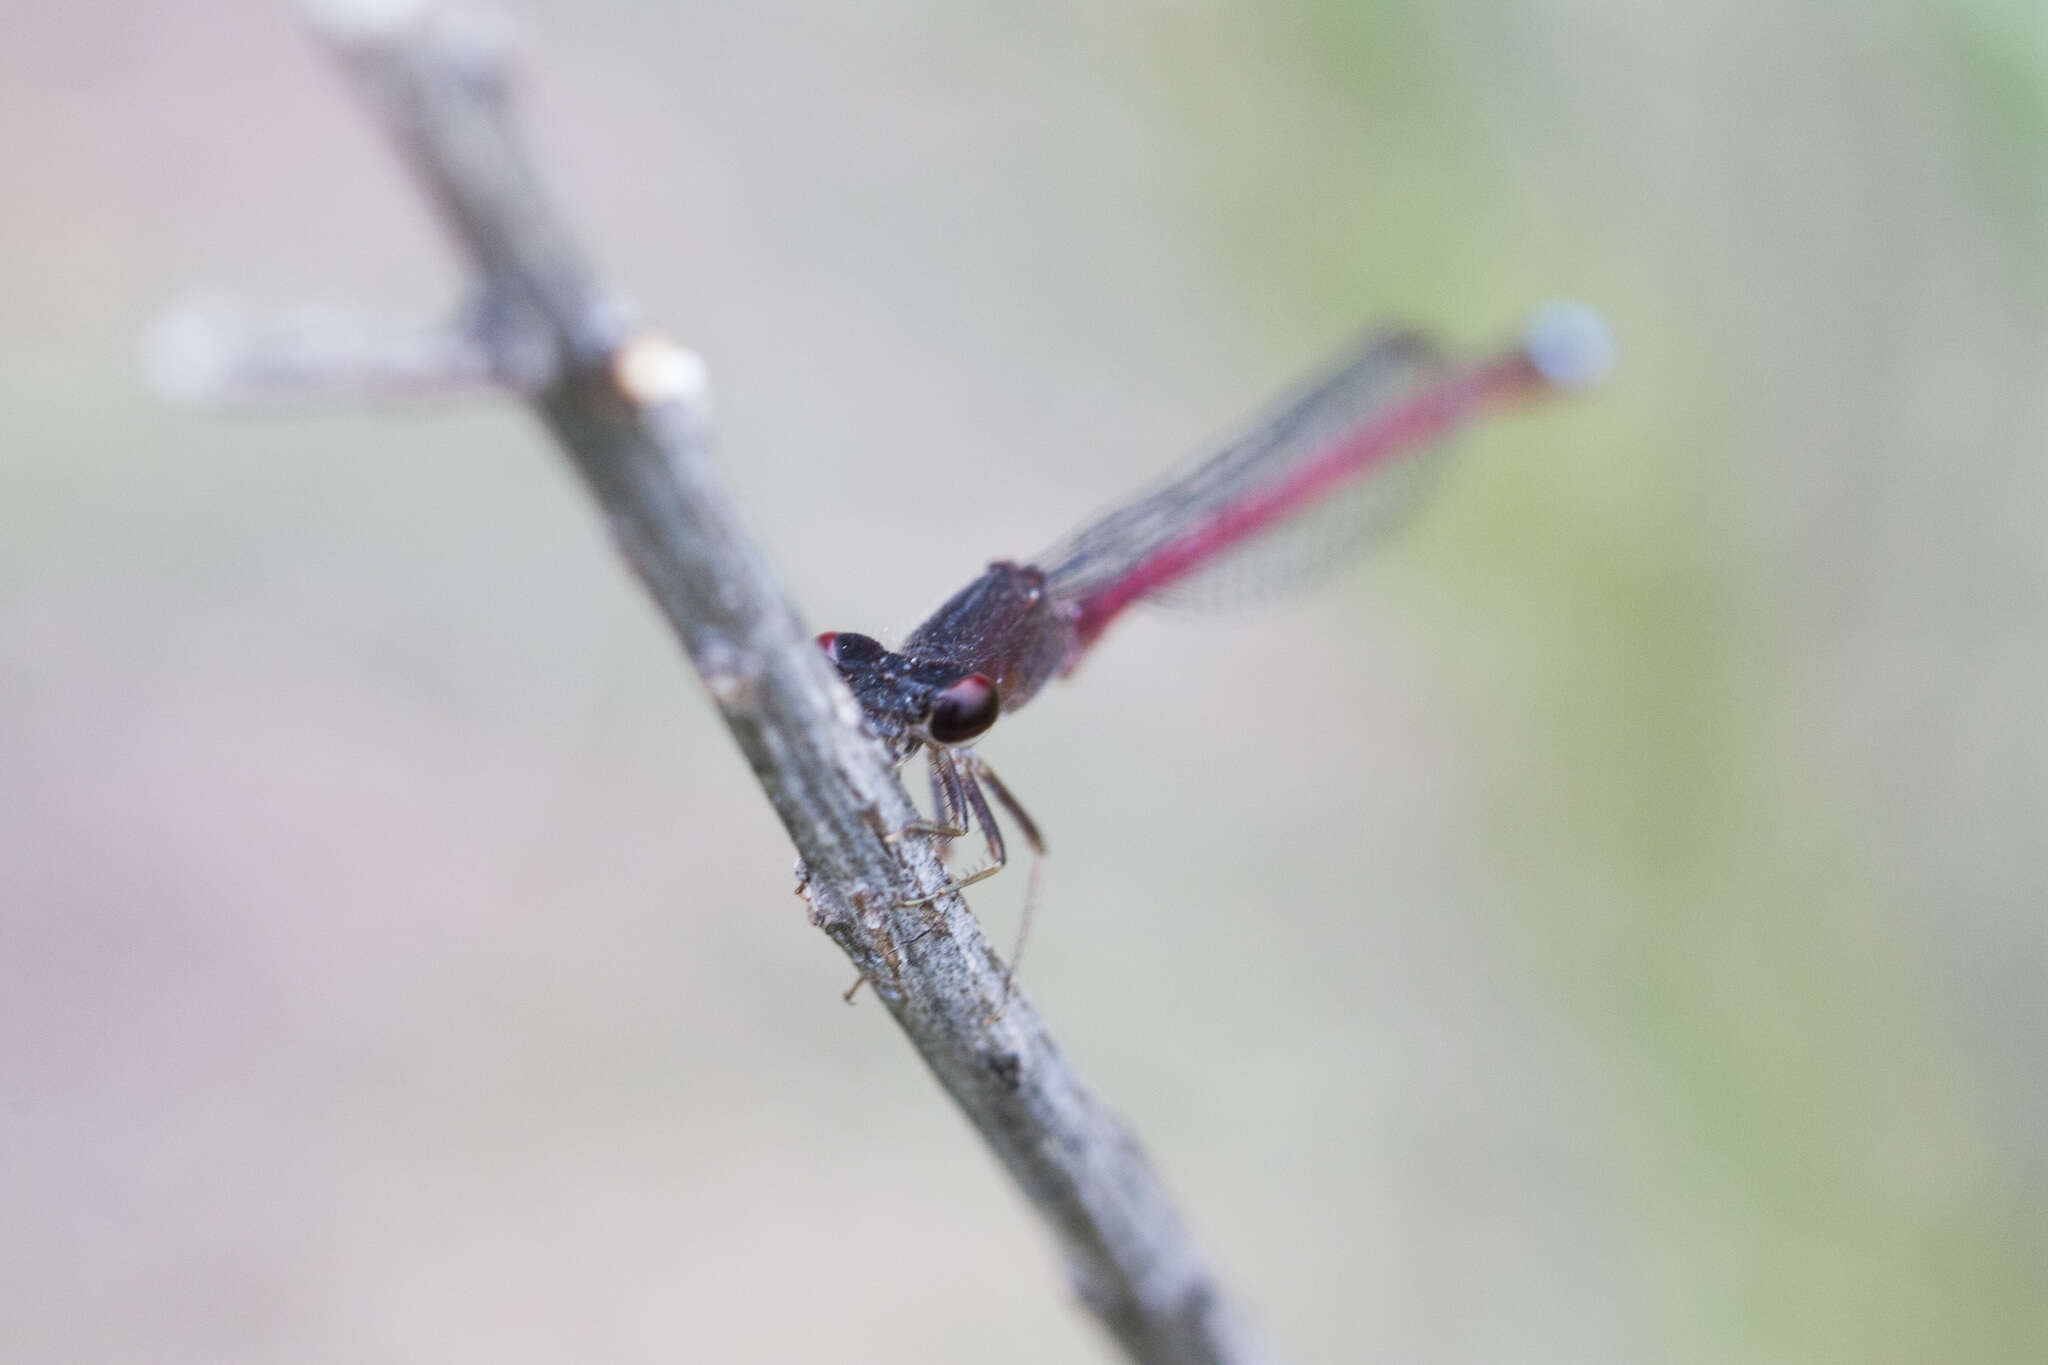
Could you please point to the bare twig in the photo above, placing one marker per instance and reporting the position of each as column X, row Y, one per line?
column 628, row 408
column 211, row 353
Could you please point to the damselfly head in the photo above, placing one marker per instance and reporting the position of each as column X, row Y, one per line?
column 908, row 702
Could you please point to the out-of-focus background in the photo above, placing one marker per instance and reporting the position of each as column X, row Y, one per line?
column 1609, row 926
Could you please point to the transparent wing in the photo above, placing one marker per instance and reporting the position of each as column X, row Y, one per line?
column 1378, row 374
column 1315, row 543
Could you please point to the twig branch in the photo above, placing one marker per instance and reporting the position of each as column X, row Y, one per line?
column 212, row 354
column 628, row 408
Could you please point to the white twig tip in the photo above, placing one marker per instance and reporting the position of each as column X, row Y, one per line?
column 1569, row 345
column 651, row 369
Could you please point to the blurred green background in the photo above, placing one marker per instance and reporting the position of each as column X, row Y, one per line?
column 1608, row 927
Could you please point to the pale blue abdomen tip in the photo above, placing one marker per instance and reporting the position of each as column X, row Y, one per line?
column 1569, row 345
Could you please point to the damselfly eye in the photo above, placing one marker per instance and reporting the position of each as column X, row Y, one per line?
column 964, row 709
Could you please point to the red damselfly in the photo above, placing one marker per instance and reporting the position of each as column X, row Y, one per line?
column 1364, row 434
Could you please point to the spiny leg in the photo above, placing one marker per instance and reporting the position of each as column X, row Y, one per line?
column 981, row 775
column 948, row 822
column 1009, row 803
column 976, row 802
column 949, row 799
column 949, row 807
column 961, row 783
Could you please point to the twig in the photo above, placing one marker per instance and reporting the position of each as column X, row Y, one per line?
column 628, row 408
column 211, row 353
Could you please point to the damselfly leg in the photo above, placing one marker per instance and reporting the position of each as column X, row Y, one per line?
column 1033, row 879
column 962, row 783
column 961, row 807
